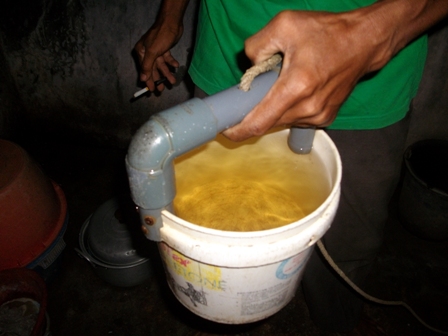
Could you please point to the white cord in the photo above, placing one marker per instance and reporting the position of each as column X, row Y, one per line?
column 370, row 297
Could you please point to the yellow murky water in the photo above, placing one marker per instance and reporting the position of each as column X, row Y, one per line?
column 250, row 186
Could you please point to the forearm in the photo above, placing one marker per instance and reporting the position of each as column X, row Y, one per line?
column 392, row 24
column 172, row 11
column 325, row 54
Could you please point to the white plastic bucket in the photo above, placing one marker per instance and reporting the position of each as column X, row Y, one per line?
column 242, row 277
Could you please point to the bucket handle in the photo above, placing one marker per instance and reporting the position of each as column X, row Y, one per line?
column 82, row 255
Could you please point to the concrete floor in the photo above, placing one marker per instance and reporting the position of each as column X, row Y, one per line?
column 80, row 303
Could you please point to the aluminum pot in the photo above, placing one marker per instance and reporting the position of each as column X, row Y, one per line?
column 111, row 242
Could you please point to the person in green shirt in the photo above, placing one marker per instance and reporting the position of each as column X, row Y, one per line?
column 372, row 104
column 351, row 67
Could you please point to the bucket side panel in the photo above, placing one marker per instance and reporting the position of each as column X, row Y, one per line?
column 233, row 295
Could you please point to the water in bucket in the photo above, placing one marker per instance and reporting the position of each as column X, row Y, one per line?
column 247, row 187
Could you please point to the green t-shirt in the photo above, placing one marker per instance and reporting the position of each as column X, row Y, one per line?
column 219, row 60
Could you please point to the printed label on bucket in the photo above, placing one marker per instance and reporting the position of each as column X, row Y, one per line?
column 291, row 266
column 256, row 302
column 232, row 295
column 197, row 274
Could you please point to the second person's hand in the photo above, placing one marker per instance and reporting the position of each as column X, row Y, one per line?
column 153, row 48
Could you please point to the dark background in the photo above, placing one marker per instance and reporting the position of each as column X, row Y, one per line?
column 67, row 76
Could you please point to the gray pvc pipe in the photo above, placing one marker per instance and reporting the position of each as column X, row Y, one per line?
column 175, row 131
column 300, row 140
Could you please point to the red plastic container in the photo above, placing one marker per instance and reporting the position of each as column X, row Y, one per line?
column 22, row 283
column 32, row 208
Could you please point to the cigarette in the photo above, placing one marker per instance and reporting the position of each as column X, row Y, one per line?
column 142, row 91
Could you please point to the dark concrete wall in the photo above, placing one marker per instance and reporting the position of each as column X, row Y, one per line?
column 67, row 66
column 71, row 66
column 10, row 103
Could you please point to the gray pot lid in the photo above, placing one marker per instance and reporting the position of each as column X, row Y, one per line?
column 113, row 234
